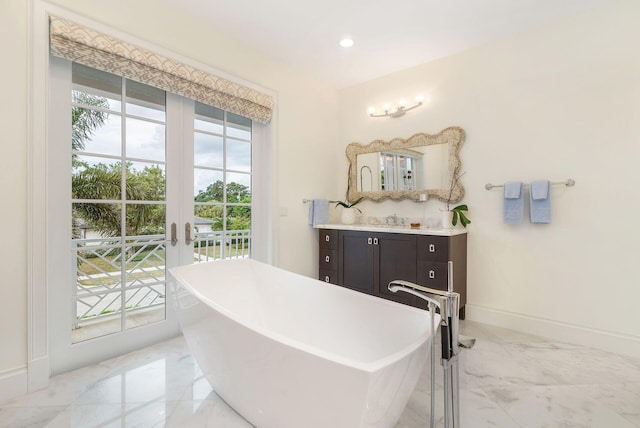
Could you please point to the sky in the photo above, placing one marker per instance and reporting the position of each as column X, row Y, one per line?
column 145, row 142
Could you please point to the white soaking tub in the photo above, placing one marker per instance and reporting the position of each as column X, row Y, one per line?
column 288, row 351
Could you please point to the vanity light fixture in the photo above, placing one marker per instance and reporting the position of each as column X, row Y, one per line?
column 398, row 111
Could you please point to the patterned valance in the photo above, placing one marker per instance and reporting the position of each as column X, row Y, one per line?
column 91, row 48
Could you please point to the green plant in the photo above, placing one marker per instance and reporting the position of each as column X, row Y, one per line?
column 348, row 204
column 459, row 213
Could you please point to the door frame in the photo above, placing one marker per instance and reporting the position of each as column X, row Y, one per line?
column 264, row 218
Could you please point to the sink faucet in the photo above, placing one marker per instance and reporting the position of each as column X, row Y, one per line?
column 394, row 220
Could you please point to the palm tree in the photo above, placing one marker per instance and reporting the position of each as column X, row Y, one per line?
column 86, row 121
column 100, row 182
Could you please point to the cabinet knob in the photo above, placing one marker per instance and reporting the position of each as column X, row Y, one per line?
column 432, row 274
column 432, row 248
column 375, row 241
column 369, row 241
column 326, row 238
column 327, row 279
column 326, row 259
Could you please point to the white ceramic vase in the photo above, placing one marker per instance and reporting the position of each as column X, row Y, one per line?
column 348, row 216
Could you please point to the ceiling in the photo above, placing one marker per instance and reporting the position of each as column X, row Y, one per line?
column 389, row 35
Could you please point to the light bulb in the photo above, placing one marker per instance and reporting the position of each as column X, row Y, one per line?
column 347, row 42
column 386, row 107
column 420, row 99
column 402, row 102
column 371, row 110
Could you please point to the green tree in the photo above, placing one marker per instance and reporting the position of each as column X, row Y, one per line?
column 104, row 182
column 236, row 192
column 86, row 121
column 237, row 217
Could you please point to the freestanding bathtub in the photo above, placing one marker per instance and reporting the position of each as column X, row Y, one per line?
column 287, row 351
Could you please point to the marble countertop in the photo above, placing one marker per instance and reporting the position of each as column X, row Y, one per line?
column 423, row 230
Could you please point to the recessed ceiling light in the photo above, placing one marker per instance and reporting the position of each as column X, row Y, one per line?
column 347, row 42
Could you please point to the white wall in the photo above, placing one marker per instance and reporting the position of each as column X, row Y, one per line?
column 306, row 130
column 13, row 176
column 556, row 103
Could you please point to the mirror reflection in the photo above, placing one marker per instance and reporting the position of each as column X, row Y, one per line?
column 403, row 169
column 406, row 168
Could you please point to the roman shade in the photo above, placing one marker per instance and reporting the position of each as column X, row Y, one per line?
column 94, row 49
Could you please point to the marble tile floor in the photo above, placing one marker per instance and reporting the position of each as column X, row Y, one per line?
column 508, row 379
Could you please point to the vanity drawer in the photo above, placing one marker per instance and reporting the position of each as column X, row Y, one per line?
column 432, row 274
column 329, row 239
column 433, row 248
column 328, row 259
column 329, row 276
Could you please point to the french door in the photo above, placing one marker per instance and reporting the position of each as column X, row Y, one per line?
column 139, row 181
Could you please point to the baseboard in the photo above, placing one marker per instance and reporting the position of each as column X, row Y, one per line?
column 563, row 332
column 13, row 383
column 22, row 380
column 38, row 375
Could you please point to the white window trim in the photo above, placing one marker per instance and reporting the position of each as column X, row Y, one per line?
column 264, row 215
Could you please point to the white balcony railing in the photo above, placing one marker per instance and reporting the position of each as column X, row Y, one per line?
column 112, row 274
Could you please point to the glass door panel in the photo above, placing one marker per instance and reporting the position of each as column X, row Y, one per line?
column 222, row 184
column 118, row 203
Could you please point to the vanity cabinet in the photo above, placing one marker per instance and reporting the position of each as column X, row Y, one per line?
column 367, row 261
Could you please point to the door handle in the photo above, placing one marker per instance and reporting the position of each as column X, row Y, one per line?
column 174, row 234
column 187, row 234
column 432, row 274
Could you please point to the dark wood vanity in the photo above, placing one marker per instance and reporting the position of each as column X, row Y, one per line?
column 367, row 259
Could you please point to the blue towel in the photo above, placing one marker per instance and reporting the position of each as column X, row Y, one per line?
column 513, row 203
column 319, row 212
column 540, row 203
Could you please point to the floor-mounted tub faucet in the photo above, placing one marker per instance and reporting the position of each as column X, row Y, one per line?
column 449, row 304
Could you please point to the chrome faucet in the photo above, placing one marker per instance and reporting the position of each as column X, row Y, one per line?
column 391, row 220
column 449, row 304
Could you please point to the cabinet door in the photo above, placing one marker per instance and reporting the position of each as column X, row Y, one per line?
column 356, row 267
column 396, row 260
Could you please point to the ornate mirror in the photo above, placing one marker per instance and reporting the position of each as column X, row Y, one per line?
column 407, row 168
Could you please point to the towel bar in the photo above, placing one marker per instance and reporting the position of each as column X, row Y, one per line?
column 569, row 183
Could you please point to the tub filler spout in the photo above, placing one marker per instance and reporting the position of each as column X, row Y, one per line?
column 448, row 303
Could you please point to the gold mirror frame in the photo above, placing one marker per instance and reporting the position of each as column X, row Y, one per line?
column 453, row 136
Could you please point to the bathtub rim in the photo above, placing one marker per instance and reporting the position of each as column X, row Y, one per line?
column 369, row 367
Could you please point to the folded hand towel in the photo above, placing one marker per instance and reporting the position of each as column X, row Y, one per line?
column 540, row 202
column 319, row 212
column 539, row 190
column 513, row 203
